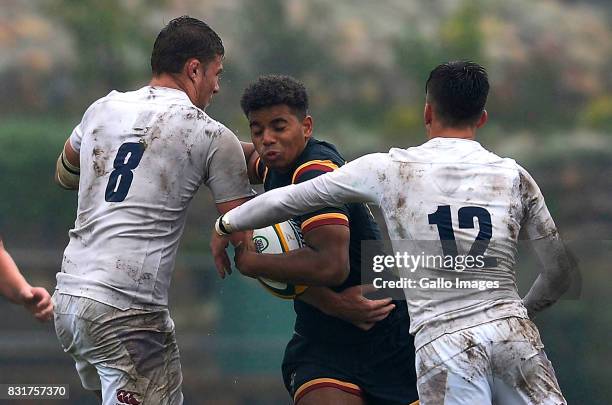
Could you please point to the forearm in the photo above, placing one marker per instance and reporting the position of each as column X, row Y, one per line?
column 304, row 266
column 322, row 298
column 554, row 280
column 543, row 293
column 11, row 280
column 349, row 305
column 332, row 189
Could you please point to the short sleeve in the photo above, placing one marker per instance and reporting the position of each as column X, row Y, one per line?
column 324, row 216
column 537, row 223
column 76, row 137
column 226, row 168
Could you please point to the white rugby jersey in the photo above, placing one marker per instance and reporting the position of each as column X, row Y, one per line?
column 425, row 192
column 143, row 156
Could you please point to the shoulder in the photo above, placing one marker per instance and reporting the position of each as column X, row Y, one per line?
column 210, row 128
column 317, row 158
column 529, row 189
column 114, row 94
column 321, row 150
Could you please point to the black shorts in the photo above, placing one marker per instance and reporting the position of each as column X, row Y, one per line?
column 381, row 370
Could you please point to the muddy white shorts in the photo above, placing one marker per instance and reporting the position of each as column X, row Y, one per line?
column 499, row 362
column 131, row 356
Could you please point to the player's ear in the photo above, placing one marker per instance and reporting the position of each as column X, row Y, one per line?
column 307, row 123
column 483, row 119
column 191, row 68
column 427, row 114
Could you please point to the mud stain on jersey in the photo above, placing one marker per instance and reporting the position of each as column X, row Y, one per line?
column 163, row 180
column 130, row 268
column 512, row 230
column 81, row 219
column 156, row 127
column 527, row 194
column 398, row 227
column 546, row 229
column 151, row 95
column 406, row 172
column 187, row 142
column 533, row 205
column 142, row 123
column 155, row 134
column 401, row 201
column 193, row 113
column 190, row 156
column 515, row 215
column 99, row 161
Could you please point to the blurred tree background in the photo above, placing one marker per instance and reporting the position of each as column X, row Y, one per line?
column 365, row 64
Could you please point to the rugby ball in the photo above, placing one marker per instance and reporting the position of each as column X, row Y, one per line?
column 276, row 239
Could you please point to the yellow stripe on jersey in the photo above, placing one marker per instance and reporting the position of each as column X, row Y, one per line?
column 304, row 167
column 325, row 381
column 257, row 168
column 265, row 173
column 330, row 217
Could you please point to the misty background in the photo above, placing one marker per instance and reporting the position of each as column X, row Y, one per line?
column 365, row 64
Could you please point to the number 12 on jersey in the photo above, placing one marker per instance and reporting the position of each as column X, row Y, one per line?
column 442, row 219
column 127, row 159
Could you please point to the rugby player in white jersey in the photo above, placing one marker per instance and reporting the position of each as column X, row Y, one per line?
column 141, row 155
column 479, row 347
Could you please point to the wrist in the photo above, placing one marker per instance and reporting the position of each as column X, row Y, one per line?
column 246, row 267
column 331, row 303
column 21, row 294
column 222, row 226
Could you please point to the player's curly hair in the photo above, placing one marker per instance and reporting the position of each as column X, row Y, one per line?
column 458, row 90
column 182, row 39
column 271, row 90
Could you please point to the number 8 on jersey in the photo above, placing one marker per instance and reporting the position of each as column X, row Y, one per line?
column 127, row 159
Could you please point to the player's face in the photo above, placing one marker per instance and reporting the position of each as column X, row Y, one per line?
column 208, row 83
column 279, row 135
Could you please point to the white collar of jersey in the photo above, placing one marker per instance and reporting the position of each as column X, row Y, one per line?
column 439, row 139
column 166, row 91
column 440, row 142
